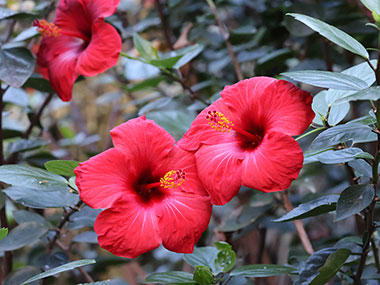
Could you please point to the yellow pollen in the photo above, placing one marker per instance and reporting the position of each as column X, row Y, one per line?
column 219, row 122
column 173, row 179
column 47, row 29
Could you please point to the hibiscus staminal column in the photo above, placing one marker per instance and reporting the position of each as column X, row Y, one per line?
column 48, row 29
column 171, row 180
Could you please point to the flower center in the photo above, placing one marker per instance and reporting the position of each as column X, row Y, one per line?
column 171, row 180
column 47, row 29
column 219, row 122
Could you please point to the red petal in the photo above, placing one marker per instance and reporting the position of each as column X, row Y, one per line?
column 201, row 132
column 144, row 140
column 105, row 178
column 102, row 8
column 102, row 52
column 73, row 16
column 128, row 229
column 220, row 167
column 183, row 218
column 274, row 164
column 275, row 105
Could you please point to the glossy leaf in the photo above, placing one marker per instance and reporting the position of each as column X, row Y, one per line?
column 312, row 208
column 225, row 259
column 332, row 265
column 62, row 167
column 60, row 269
column 171, row 277
column 23, row 216
column 309, row 269
column 39, row 83
column 203, row 256
column 22, row 235
column 25, row 145
column 145, row 48
column 262, row 270
column 353, row 200
column 371, row 93
column 333, row 34
column 86, row 237
column 327, row 79
column 165, row 62
column 372, row 5
column 188, row 53
column 16, row 65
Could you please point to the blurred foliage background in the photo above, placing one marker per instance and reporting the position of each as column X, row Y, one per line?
column 266, row 43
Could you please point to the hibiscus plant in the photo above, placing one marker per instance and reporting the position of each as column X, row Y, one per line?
column 189, row 142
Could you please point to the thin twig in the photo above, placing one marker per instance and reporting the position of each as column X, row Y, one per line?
column 65, row 218
column 86, row 276
column 165, row 25
column 375, row 254
column 299, row 226
column 226, row 36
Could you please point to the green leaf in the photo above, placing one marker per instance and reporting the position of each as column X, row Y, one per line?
column 327, row 79
column 309, row 269
column 171, row 277
column 332, row 265
column 164, row 62
column 354, row 199
column 6, row 13
column 151, row 82
column 372, row 5
column 22, row 216
column 31, row 177
column 334, row 156
column 333, row 34
column 225, row 259
column 203, row 256
column 16, row 65
column 362, row 167
column 371, row 93
column 188, row 53
column 145, row 48
column 22, row 274
column 26, row 34
column 40, row 198
column 312, row 208
column 39, row 83
column 62, row 167
column 261, row 270
column 22, row 235
column 16, row 96
column 59, row 269
column 25, row 144
column 203, row 275
column 3, row 233
column 357, row 133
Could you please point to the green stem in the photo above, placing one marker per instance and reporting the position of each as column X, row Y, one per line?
column 309, row 133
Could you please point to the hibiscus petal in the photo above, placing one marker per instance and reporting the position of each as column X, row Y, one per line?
column 274, row 164
column 144, row 140
column 200, row 132
column 73, row 16
column 270, row 104
column 104, row 178
column 220, row 168
column 102, row 52
column 128, row 229
column 183, row 217
column 102, row 8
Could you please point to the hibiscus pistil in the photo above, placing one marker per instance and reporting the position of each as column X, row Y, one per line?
column 48, row 29
column 221, row 123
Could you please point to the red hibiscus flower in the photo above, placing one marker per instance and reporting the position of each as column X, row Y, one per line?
column 150, row 189
column 79, row 42
column 244, row 138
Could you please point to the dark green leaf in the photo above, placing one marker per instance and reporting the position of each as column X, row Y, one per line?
column 39, row 83
column 171, row 277
column 9, row 14
column 333, row 263
column 310, row 268
column 334, row 156
column 262, row 270
column 333, row 34
column 16, row 65
column 25, row 144
column 225, row 259
column 22, row 235
column 145, row 48
column 26, row 34
column 62, row 167
column 203, row 256
column 312, row 208
column 354, row 199
column 22, row 216
column 84, row 218
column 22, row 274
column 3, row 233
column 188, row 53
column 87, row 237
column 16, row 96
column 203, row 275
column 327, row 79
column 354, row 132
column 362, row 167
column 151, row 82
column 59, row 269
column 164, row 62
column 42, row 198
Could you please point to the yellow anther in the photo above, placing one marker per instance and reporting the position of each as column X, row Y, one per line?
column 173, row 179
column 219, row 122
column 47, row 29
